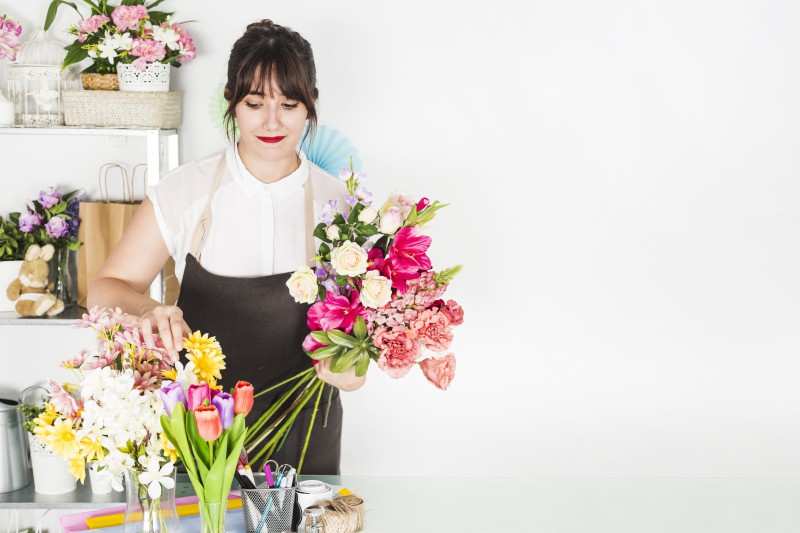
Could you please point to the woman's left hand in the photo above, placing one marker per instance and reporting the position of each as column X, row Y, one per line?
column 346, row 381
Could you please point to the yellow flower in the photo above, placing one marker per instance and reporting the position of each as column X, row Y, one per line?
column 77, row 467
column 91, row 449
column 46, row 417
column 206, row 354
column 171, row 374
column 169, row 449
column 61, row 438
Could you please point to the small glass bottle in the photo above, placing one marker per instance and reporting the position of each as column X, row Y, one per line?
column 313, row 522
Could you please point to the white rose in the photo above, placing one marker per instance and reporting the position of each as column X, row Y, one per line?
column 332, row 232
column 376, row 290
column 367, row 214
column 391, row 220
column 303, row 285
column 349, row 259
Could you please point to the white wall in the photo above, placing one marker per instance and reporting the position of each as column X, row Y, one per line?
column 623, row 180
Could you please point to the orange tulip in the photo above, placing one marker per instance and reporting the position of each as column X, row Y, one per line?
column 209, row 426
column 242, row 398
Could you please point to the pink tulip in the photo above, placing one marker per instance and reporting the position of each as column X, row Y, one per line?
column 198, row 394
column 209, row 426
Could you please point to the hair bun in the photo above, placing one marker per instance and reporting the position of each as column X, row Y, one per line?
column 265, row 23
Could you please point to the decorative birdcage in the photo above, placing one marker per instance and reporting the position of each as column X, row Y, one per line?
column 36, row 80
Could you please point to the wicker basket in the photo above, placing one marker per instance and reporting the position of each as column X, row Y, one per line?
column 100, row 82
column 122, row 109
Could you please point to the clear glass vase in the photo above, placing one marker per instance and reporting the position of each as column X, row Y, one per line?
column 212, row 517
column 62, row 277
column 144, row 514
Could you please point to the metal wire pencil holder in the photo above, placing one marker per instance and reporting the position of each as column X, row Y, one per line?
column 268, row 510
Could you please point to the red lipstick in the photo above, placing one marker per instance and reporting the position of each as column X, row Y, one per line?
column 272, row 140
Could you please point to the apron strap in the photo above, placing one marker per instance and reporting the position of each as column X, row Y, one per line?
column 204, row 224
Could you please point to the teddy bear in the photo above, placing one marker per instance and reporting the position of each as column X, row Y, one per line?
column 31, row 290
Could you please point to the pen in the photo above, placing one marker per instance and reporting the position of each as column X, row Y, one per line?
column 243, row 481
column 264, row 516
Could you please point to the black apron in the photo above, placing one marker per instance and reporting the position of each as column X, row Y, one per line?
column 261, row 330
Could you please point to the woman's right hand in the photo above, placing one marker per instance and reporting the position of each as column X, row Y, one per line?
column 167, row 321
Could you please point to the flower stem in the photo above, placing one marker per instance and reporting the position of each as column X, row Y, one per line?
column 307, row 371
column 320, row 386
column 276, row 405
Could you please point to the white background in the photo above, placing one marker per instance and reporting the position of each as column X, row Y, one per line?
column 623, row 181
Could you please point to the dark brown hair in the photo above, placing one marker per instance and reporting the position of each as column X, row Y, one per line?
column 268, row 53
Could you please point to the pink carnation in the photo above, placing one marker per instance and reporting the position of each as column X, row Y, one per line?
column 185, row 43
column 148, row 51
column 10, row 31
column 398, row 351
column 128, row 17
column 90, row 25
column 433, row 330
column 453, row 312
column 440, row 371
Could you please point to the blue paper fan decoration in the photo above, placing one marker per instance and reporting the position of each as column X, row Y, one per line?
column 331, row 150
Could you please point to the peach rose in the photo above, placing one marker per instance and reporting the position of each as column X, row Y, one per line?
column 303, row 285
column 376, row 290
column 349, row 259
column 440, row 371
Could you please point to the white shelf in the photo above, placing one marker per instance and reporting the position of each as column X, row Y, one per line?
column 79, row 130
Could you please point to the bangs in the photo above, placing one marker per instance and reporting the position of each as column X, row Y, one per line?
column 266, row 68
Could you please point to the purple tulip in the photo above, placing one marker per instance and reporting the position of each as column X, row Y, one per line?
column 57, row 227
column 49, row 197
column 171, row 395
column 197, row 395
column 224, row 404
column 29, row 220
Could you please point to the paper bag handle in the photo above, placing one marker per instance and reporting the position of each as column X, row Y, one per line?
column 127, row 186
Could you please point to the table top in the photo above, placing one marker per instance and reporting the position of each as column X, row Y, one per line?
column 552, row 505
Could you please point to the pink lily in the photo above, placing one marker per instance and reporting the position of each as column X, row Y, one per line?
column 335, row 312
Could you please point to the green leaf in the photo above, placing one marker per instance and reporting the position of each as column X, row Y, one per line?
column 362, row 365
column 354, row 213
column 345, row 361
column 367, row 230
column 53, row 9
column 321, row 336
column 213, row 489
column 341, row 338
column 360, row 328
column 338, row 219
column 199, row 446
column 324, row 249
column 179, row 440
column 361, row 240
column 341, row 280
column 74, row 55
column 323, row 292
column 325, row 352
column 319, row 232
column 383, row 244
column 411, row 218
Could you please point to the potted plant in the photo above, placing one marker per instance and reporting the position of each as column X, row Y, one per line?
column 131, row 40
column 13, row 243
column 51, row 474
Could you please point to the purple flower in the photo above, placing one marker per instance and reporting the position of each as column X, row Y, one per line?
column 330, row 286
column 345, row 174
column 328, row 212
column 57, row 227
column 224, row 404
column 198, row 394
column 320, row 272
column 351, row 200
column 171, row 395
column 29, row 220
column 49, row 197
column 74, row 222
column 365, row 195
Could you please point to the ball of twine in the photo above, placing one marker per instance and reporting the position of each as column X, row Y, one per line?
column 343, row 515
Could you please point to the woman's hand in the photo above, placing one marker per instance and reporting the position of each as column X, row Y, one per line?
column 167, row 321
column 346, row 381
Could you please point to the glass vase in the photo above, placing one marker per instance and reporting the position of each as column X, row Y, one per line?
column 62, row 278
column 144, row 514
column 212, row 517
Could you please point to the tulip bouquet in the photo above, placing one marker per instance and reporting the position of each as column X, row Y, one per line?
column 374, row 297
column 206, row 425
column 110, row 415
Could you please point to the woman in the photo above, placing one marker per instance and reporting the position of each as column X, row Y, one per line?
column 237, row 225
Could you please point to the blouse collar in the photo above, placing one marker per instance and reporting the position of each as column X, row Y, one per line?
column 252, row 185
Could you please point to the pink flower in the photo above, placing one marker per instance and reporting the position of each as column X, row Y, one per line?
column 433, row 330
column 185, row 44
column 440, row 371
column 90, row 25
column 453, row 312
column 310, row 344
column 62, row 400
column 423, row 203
column 407, row 256
column 76, row 360
column 398, row 351
column 10, row 31
column 128, row 17
column 335, row 312
column 148, row 50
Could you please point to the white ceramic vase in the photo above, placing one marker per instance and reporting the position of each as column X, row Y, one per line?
column 50, row 471
column 99, row 479
column 9, row 271
column 154, row 78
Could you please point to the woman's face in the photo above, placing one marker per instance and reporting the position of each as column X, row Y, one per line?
column 270, row 125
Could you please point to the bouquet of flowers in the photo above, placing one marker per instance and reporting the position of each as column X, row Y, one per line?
column 205, row 425
column 132, row 32
column 52, row 218
column 10, row 31
column 375, row 297
column 110, row 415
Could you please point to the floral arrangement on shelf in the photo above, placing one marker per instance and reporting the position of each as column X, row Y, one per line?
column 13, row 242
column 206, row 425
column 132, row 32
column 374, row 297
column 10, row 30
column 52, row 218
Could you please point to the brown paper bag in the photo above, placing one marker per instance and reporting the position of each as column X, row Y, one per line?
column 102, row 226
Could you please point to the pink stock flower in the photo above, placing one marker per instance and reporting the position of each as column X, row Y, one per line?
column 398, row 351
column 128, row 17
column 335, row 312
column 62, row 400
column 440, row 371
column 148, row 51
column 433, row 330
column 453, row 312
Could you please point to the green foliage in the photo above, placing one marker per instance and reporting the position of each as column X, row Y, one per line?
column 446, row 276
column 13, row 242
column 29, row 413
column 346, row 351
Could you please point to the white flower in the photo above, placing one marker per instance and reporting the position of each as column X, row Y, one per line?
column 391, row 220
column 400, row 200
column 367, row 214
column 122, row 41
column 168, row 36
column 154, row 478
column 376, row 290
column 107, row 48
column 186, row 376
column 349, row 259
column 332, row 232
column 303, row 285
column 92, row 54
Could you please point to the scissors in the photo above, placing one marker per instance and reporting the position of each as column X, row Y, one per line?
column 269, row 473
